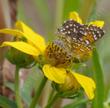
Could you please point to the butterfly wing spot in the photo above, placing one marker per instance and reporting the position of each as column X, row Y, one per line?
column 72, row 28
column 96, row 32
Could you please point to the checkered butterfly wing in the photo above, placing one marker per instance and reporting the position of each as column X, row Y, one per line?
column 80, row 38
column 84, row 33
column 90, row 34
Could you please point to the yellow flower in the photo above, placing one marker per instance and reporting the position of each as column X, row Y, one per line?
column 35, row 46
column 74, row 15
column 59, row 75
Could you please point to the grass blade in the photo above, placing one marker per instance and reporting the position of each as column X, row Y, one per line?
column 98, row 76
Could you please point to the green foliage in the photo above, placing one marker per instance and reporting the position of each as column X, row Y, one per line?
column 6, row 103
column 31, row 83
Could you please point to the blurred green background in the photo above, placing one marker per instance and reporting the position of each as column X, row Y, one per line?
column 45, row 16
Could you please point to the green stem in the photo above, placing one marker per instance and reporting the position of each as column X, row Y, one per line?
column 51, row 102
column 98, row 74
column 77, row 103
column 17, row 91
column 51, row 95
column 38, row 93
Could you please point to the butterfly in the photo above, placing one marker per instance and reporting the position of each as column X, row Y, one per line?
column 79, row 38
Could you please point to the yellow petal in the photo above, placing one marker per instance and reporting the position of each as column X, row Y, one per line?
column 34, row 41
column 97, row 23
column 57, row 75
column 86, row 83
column 35, row 38
column 12, row 32
column 75, row 16
column 23, row 47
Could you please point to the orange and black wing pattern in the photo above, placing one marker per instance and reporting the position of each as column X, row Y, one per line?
column 80, row 38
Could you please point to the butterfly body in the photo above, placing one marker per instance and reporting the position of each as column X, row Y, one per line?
column 58, row 54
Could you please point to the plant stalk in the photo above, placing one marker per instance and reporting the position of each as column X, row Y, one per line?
column 38, row 93
column 52, row 101
column 17, row 91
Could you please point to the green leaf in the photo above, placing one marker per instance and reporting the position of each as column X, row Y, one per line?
column 30, row 83
column 98, row 76
column 6, row 103
column 9, row 85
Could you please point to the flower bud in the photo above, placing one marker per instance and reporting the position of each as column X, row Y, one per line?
column 20, row 59
column 69, row 88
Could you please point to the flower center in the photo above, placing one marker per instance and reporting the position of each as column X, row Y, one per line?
column 58, row 54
